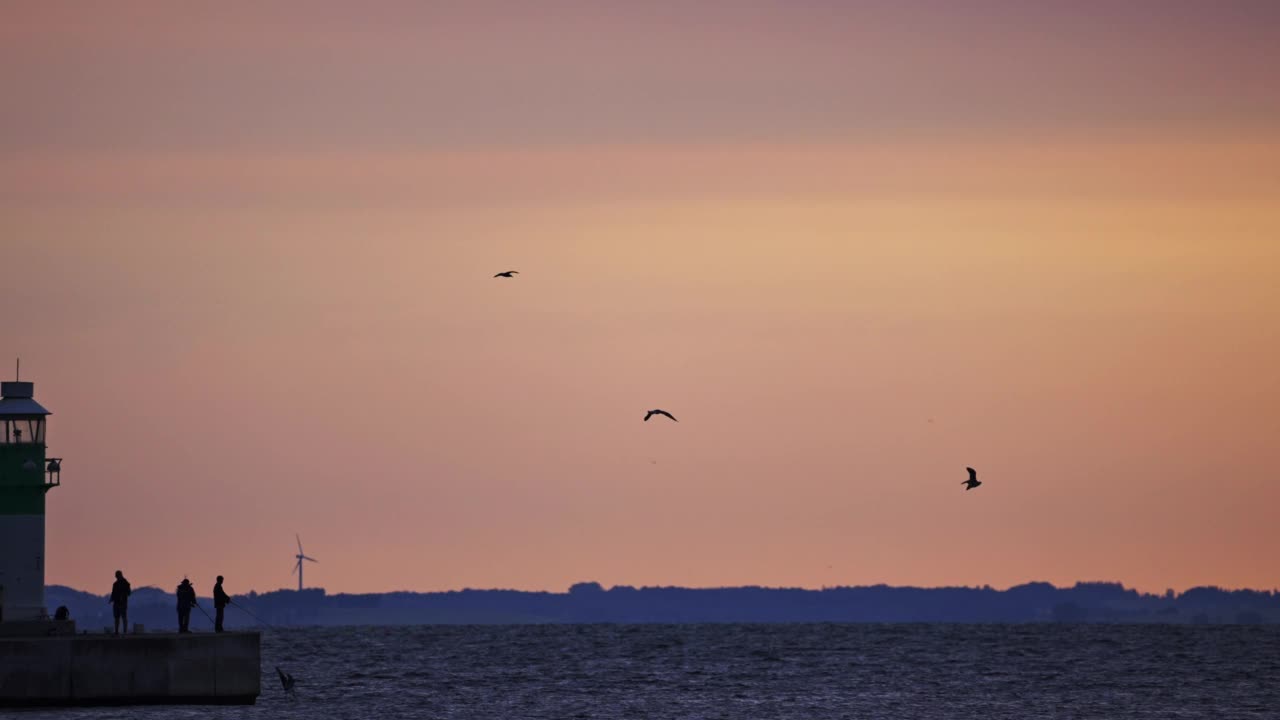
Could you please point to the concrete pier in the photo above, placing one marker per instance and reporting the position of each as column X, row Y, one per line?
column 161, row 669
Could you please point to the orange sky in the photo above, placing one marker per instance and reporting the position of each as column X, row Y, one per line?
column 247, row 259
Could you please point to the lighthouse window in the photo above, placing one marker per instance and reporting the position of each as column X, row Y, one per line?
column 23, row 430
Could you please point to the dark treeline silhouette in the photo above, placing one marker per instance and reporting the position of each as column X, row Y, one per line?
column 591, row 603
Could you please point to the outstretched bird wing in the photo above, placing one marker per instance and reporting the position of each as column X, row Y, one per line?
column 648, row 415
column 664, row 412
column 973, row 474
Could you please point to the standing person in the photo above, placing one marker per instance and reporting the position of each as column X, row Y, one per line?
column 186, row 598
column 120, row 592
column 220, row 600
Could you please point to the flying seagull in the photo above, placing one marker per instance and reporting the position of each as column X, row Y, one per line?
column 286, row 680
column 507, row 274
column 973, row 480
column 651, row 413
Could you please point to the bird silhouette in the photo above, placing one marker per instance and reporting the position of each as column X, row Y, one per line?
column 507, row 274
column 286, row 680
column 651, row 413
column 973, row 480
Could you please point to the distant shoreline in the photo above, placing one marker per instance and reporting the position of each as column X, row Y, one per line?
column 1089, row 602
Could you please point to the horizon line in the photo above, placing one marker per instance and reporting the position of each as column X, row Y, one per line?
column 625, row 587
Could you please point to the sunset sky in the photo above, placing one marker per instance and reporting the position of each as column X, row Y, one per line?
column 247, row 252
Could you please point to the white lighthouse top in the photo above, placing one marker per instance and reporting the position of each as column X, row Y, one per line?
column 16, row 398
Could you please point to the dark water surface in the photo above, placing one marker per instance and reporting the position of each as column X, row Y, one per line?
column 761, row 671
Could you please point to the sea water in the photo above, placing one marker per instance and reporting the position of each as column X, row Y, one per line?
column 798, row 671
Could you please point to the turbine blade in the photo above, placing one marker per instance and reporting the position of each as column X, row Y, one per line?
column 299, row 539
column 304, row 557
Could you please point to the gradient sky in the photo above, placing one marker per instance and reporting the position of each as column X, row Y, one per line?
column 854, row 247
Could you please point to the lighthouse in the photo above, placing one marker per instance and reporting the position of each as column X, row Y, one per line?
column 26, row 475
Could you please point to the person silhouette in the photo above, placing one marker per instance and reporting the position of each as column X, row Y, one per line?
column 220, row 600
column 186, row 599
column 120, row 592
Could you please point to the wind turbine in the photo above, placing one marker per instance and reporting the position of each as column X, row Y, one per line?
column 300, row 557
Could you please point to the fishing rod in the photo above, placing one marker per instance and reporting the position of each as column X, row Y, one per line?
column 244, row 609
column 205, row 614
column 253, row 615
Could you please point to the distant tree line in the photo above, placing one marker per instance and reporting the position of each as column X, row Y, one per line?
column 1086, row 602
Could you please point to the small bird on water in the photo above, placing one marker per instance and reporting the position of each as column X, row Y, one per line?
column 507, row 274
column 973, row 480
column 651, row 413
column 286, row 680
